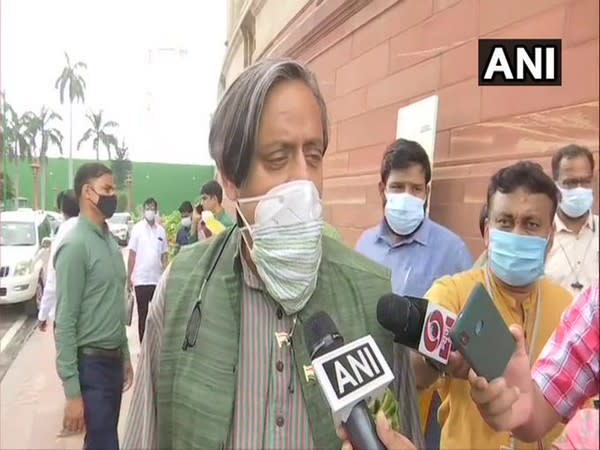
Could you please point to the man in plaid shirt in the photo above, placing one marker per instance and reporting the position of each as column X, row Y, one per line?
column 565, row 376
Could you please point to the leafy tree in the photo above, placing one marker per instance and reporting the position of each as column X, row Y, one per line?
column 71, row 79
column 42, row 126
column 9, row 189
column 122, row 201
column 15, row 140
column 101, row 133
column 121, row 166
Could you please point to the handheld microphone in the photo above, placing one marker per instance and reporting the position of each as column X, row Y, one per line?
column 349, row 376
column 418, row 324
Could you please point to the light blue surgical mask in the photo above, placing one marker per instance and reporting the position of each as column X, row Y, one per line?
column 576, row 202
column 404, row 212
column 516, row 259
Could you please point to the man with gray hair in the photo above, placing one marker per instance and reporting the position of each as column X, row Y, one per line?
column 224, row 362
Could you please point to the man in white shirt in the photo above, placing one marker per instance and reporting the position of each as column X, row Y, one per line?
column 573, row 259
column 66, row 201
column 147, row 259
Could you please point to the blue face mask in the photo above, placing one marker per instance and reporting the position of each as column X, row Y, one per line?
column 576, row 202
column 516, row 259
column 404, row 212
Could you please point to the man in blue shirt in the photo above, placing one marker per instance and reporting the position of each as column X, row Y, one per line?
column 417, row 250
column 185, row 229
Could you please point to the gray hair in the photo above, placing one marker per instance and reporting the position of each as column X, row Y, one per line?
column 233, row 138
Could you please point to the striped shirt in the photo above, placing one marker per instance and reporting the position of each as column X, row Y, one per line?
column 266, row 371
column 568, row 369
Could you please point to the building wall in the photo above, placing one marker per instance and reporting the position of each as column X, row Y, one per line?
column 372, row 57
column 271, row 18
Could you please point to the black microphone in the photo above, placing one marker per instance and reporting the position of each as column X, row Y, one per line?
column 349, row 375
column 418, row 324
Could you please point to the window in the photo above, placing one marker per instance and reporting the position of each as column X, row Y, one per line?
column 17, row 233
column 44, row 230
column 248, row 34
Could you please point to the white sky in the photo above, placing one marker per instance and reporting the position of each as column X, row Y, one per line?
column 163, row 107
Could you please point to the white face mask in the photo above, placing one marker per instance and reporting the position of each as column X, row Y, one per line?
column 186, row 222
column 286, row 236
column 149, row 215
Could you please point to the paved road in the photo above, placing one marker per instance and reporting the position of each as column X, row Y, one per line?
column 15, row 328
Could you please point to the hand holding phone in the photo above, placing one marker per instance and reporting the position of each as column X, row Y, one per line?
column 481, row 335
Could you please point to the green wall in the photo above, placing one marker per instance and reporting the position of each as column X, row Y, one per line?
column 169, row 184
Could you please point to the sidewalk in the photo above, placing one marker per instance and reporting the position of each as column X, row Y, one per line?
column 32, row 399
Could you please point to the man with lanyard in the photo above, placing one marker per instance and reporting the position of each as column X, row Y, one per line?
column 522, row 201
column 573, row 260
column 92, row 354
column 68, row 204
column 416, row 249
column 224, row 362
column 566, row 375
column 148, row 249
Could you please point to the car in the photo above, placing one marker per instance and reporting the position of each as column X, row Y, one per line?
column 120, row 226
column 25, row 239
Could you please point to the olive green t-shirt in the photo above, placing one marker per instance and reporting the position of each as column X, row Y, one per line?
column 90, row 306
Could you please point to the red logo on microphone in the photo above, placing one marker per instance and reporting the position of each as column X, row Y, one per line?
column 434, row 327
column 435, row 338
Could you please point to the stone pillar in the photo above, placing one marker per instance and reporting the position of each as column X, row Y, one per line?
column 129, row 181
column 35, row 166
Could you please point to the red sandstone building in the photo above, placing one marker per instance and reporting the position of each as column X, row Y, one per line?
column 373, row 57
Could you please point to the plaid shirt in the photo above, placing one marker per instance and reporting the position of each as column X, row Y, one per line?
column 567, row 370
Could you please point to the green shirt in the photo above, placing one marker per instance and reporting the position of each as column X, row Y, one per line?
column 224, row 218
column 90, row 310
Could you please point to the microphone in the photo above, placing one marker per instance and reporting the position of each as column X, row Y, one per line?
column 349, row 376
column 418, row 324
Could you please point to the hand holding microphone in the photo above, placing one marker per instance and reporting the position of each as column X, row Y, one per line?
column 349, row 376
column 423, row 326
column 392, row 440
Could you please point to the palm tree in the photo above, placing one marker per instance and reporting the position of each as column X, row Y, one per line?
column 101, row 132
column 49, row 135
column 121, row 165
column 16, row 146
column 70, row 75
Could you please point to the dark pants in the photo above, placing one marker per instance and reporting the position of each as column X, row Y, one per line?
column 143, row 295
column 101, row 381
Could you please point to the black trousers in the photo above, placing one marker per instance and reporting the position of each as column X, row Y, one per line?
column 143, row 296
column 101, row 381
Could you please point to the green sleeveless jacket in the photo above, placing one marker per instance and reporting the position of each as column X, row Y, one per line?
column 197, row 387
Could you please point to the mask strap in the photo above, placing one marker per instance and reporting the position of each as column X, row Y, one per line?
column 257, row 198
column 246, row 228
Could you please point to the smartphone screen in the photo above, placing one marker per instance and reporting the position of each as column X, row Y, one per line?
column 481, row 335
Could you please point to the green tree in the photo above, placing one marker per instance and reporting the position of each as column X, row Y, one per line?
column 121, row 166
column 71, row 79
column 42, row 131
column 7, row 190
column 101, row 133
column 16, row 148
column 122, row 201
